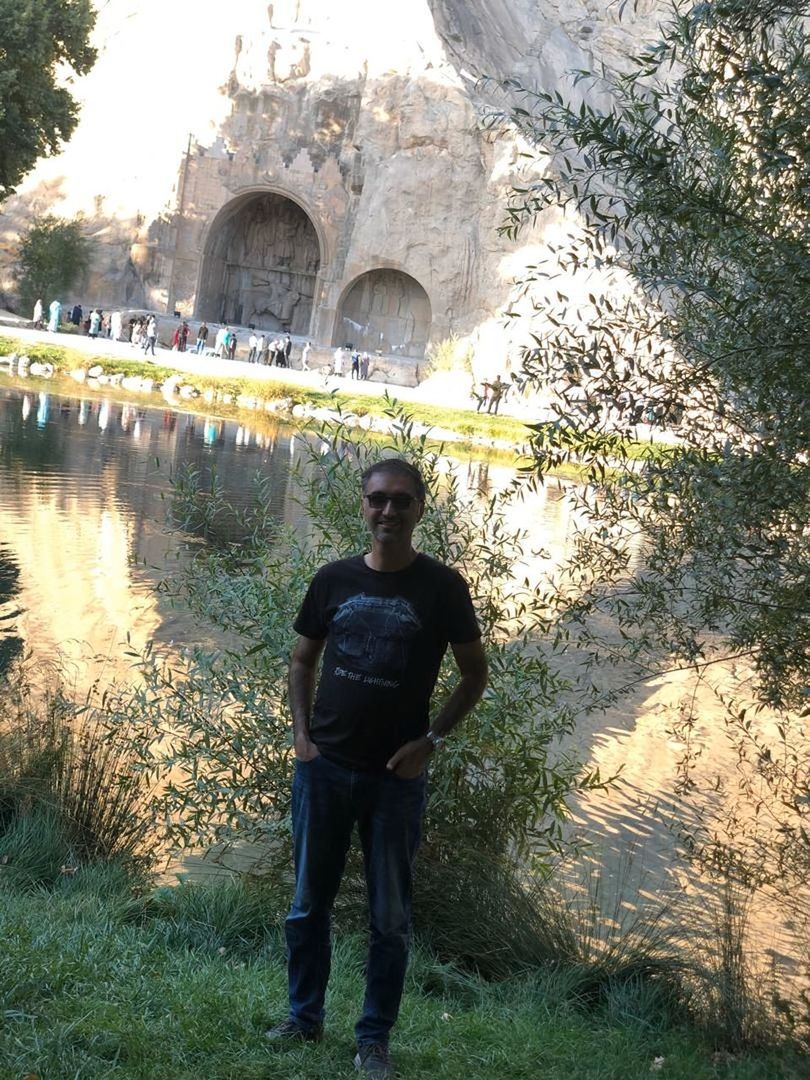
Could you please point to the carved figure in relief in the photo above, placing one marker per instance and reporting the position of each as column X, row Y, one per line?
column 378, row 299
column 288, row 306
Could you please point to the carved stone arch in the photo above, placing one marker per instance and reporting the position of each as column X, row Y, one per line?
column 262, row 256
column 384, row 309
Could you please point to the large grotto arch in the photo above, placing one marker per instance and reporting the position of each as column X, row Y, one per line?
column 384, row 309
column 260, row 265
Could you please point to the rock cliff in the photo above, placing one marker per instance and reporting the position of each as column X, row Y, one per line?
column 312, row 166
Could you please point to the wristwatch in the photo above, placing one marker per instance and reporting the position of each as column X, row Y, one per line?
column 436, row 741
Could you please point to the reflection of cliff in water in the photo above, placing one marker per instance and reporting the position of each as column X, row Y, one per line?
column 11, row 643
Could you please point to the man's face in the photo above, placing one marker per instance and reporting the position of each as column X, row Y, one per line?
column 391, row 507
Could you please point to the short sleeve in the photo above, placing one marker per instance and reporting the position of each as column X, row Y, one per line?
column 461, row 625
column 310, row 622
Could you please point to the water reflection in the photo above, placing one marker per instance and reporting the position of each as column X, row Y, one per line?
column 11, row 643
column 85, row 483
column 84, row 490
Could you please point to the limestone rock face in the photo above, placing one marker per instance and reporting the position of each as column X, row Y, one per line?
column 312, row 167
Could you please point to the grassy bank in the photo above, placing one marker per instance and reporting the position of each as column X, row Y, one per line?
column 99, row 982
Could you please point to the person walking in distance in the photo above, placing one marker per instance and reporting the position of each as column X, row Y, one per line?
column 380, row 622
column 151, row 336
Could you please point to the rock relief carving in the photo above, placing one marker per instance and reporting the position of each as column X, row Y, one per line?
column 386, row 310
column 266, row 261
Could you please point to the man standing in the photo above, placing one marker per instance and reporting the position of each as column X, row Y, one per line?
column 202, row 337
column 382, row 621
column 496, row 392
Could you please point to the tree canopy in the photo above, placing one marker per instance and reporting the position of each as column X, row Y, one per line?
column 41, row 42
column 53, row 255
column 678, row 300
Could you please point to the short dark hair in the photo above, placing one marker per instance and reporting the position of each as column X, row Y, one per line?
column 400, row 467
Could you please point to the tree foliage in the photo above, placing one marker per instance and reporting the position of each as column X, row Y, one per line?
column 679, row 298
column 39, row 40
column 52, row 257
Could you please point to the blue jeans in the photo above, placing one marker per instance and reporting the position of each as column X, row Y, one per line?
column 327, row 800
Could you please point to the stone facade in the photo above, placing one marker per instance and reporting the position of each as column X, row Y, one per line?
column 312, row 166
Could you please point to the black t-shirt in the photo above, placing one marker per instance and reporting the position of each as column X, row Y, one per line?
column 386, row 634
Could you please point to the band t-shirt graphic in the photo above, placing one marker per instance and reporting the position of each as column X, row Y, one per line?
column 386, row 634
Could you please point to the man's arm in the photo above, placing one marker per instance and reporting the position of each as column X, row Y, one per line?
column 410, row 759
column 301, row 692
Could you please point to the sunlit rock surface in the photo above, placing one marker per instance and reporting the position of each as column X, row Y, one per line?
column 313, row 167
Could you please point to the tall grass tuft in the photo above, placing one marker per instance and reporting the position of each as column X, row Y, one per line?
column 490, row 917
column 236, row 916
column 69, row 795
column 722, row 992
column 485, row 915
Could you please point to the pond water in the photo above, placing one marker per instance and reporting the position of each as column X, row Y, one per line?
column 85, row 484
column 84, row 490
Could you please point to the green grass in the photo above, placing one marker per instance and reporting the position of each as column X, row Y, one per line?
column 96, row 982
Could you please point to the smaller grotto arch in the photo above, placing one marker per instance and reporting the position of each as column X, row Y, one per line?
column 260, row 265
column 387, row 310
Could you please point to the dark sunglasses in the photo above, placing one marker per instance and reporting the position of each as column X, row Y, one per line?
column 378, row 500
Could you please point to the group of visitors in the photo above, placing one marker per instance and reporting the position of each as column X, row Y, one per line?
column 97, row 323
column 360, row 362
column 491, row 394
column 180, row 337
column 143, row 333
column 263, row 350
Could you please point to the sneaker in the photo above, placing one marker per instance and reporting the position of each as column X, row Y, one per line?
column 373, row 1060
column 287, row 1032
